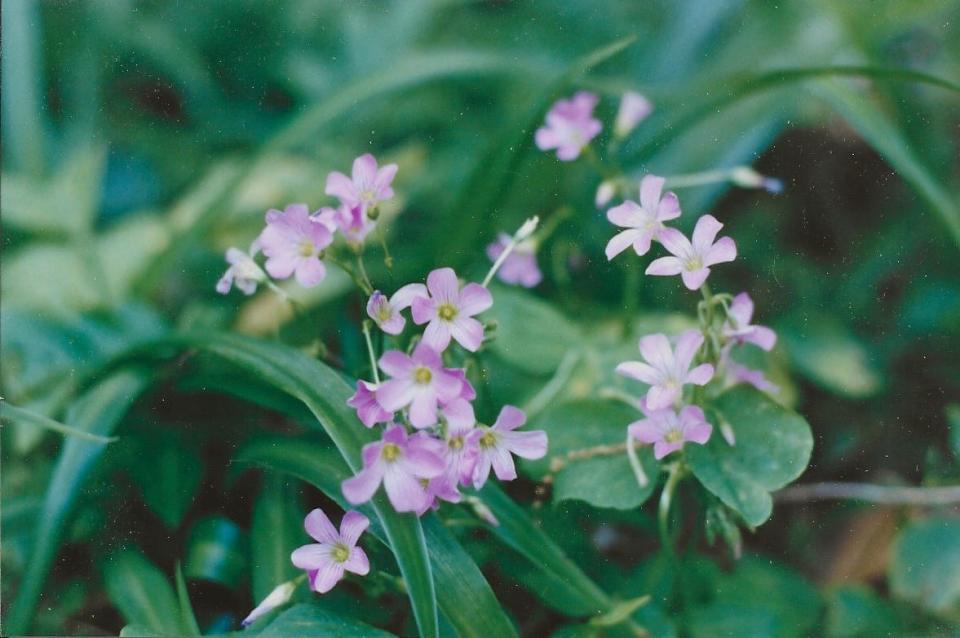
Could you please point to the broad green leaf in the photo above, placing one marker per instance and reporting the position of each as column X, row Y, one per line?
column 831, row 356
column 22, row 75
column 953, row 422
column 310, row 621
column 457, row 576
column 188, row 620
column 137, row 631
column 99, row 412
column 217, row 551
column 276, row 531
column 925, row 567
column 325, row 392
column 773, row 447
column 141, row 592
column 531, row 334
column 168, row 474
column 857, row 612
column 724, row 619
column 606, row 480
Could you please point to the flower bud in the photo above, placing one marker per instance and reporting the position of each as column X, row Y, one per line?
column 605, row 193
column 527, row 229
column 280, row 595
column 634, row 108
column 746, row 177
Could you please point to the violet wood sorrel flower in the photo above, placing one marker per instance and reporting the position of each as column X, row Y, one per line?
column 496, row 444
column 400, row 462
column 293, row 243
column 634, row 108
column 385, row 312
column 243, row 272
column 450, row 310
column 570, row 126
column 334, row 552
column 520, row 267
column 369, row 410
column 353, row 223
column 460, row 452
column 643, row 221
column 367, row 186
column 692, row 260
column 666, row 370
column 668, row 431
column 738, row 328
column 419, row 381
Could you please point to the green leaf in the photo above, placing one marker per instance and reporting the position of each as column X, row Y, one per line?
column 276, row 531
column 828, row 354
column 457, row 576
column 141, row 592
column 20, row 415
column 310, row 621
column 169, row 474
column 953, row 422
column 217, row 551
column 602, row 481
column 22, row 75
column 773, row 447
column 855, row 611
column 137, row 631
column 882, row 134
column 925, row 568
column 325, row 392
column 99, row 412
column 188, row 621
column 531, row 334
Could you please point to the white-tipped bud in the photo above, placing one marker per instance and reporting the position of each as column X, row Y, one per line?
column 527, row 229
column 634, row 108
column 280, row 595
column 746, row 177
column 605, row 193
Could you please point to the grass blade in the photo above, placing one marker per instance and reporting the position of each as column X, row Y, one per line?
column 21, row 415
column 188, row 621
column 141, row 592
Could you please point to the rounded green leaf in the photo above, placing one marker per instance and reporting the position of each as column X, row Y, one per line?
column 531, row 334
column 773, row 447
column 926, row 564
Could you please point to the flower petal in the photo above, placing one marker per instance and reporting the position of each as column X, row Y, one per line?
column 423, row 408
column 628, row 215
column 404, row 297
column 725, row 250
column 310, row 272
column 510, row 418
column 365, row 170
column 320, row 528
column 327, row 577
column 621, row 241
column 676, row 244
column 687, row 345
column 700, row 375
column 527, row 445
column 474, row 299
column 313, row 556
column 467, row 331
column 650, row 188
column 645, row 431
column 341, row 186
column 363, row 486
column 437, row 334
column 357, row 562
column 640, row 371
column 664, row 266
column 443, row 286
column 656, row 350
column 405, row 492
column 693, row 279
column 396, row 363
column 704, row 233
column 669, row 207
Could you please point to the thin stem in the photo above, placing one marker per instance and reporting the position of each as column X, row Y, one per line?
column 663, row 511
column 387, row 259
column 370, row 351
column 524, row 231
column 882, row 494
column 363, row 273
column 635, row 464
column 697, row 179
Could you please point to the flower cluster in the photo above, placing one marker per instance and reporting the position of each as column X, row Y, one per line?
column 432, row 444
column 295, row 241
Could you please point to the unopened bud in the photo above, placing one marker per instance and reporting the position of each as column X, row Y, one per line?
column 527, row 229
column 280, row 595
column 373, row 214
column 746, row 177
column 634, row 108
column 605, row 193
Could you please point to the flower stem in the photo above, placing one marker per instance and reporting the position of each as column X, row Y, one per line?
column 370, row 351
column 524, row 231
column 666, row 498
column 368, row 289
column 635, row 464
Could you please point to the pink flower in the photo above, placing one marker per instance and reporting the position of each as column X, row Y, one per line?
column 419, row 381
column 401, row 463
column 352, row 222
column 666, row 371
column 368, row 187
column 450, row 310
column 243, row 272
column 669, row 431
column 739, row 329
column 334, row 552
column 634, row 108
column 497, row 443
column 293, row 243
column 692, row 261
column 520, row 267
column 737, row 373
column 386, row 312
column 570, row 126
column 644, row 221
column 369, row 410
column 460, row 452
column 466, row 391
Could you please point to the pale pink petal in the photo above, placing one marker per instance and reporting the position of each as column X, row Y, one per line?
column 320, row 528
column 363, row 486
column 687, row 345
column 510, row 418
column 450, row 386
column 352, row 526
column 527, row 445
column 741, row 310
column 640, row 371
column 443, row 286
column 225, row 282
column 357, row 562
column 339, row 185
column 312, row 556
column 698, row 432
column 621, row 241
column 437, row 335
column 662, row 448
column 641, row 245
column 650, row 188
column 404, row 297
column 423, row 408
column 656, row 350
column 762, row 336
column 693, row 279
column 383, row 180
column 365, row 170
column 394, row 325
column 700, row 375
column 282, row 266
column 675, row 242
column 327, row 577
column 396, row 363
column 459, row 415
column 669, row 207
column 725, row 250
column 665, row 266
column 628, row 215
column 474, row 299
column 423, row 309
column 405, row 492
column 467, row 331
column 395, row 394
column 704, row 233
column 659, row 397
column 568, row 153
column 503, row 465
column 310, row 272
column 546, row 138
column 644, row 431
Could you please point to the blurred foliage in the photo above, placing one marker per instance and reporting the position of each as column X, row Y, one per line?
column 144, row 137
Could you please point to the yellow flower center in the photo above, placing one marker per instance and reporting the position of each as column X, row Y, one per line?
column 384, row 313
column 367, row 196
column 673, row 436
column 306, row 248
column 456, row 443
column 340, row 553
column 489, row 439
column 422, row 375
column 693, row 263
column 390, row 452
column 447, row 311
